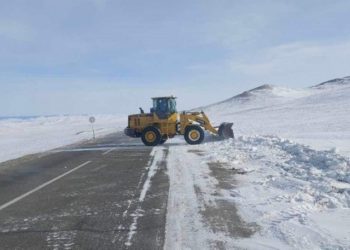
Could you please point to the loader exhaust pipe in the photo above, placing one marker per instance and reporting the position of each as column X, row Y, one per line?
column 225, row 130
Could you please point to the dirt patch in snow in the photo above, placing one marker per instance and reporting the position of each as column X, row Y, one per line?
column 223, row 175
column 221, row 214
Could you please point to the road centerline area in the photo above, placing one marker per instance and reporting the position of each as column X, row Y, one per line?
column 157, row 156
column 7, row 204
column 92, row 208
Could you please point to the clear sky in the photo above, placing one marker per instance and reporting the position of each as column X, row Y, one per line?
column 111, row 56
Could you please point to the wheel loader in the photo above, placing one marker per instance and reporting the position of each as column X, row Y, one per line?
column 164, row 122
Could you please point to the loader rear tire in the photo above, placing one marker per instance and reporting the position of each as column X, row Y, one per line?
column 194, row 134
column 151, row 136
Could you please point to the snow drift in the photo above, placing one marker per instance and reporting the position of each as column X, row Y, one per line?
column 20, row 137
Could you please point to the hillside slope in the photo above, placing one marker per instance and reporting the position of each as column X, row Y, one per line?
column 317, row 116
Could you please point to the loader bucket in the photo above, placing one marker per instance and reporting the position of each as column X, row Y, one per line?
column 225, row 130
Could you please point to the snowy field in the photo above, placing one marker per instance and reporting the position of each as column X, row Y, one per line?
column 19, row 137
column 287, row 172
column 318, row 116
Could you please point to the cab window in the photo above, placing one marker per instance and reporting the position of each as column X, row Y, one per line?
column 172, row 106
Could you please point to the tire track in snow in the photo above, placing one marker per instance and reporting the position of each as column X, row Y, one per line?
column 184, row 225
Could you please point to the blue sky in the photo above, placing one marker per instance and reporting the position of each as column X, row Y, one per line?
column 101, row 56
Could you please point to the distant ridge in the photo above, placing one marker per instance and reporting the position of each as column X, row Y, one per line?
column 19, row 117
column 251, row 91
column 336, row 81
column 268, row 90
column 244, row 96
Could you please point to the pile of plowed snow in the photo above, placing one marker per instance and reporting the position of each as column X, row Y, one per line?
column 299, row 197
column 295, row 193
column 317, row 116
column 20, row 137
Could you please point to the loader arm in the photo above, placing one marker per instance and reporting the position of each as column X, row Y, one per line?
column 197, row 117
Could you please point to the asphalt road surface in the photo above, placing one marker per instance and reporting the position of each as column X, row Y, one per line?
column 94, row 195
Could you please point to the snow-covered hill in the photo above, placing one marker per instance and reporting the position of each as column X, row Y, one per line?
column 264, row 95
column 318, row 116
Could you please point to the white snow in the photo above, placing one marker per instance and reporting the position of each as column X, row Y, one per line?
column 19, row 137
column 299, row 197
column 290, row 167
column 318, row 116
column 185, row 229
column 288, row 186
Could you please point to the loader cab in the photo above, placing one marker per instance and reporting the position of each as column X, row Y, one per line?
column 164, row 106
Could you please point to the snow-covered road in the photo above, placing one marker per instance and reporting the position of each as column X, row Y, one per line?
column 257, row 193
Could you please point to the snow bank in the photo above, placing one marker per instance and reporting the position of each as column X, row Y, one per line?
column 299, row 196
column 19, row 137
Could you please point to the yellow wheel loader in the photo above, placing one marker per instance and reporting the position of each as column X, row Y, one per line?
column 164, row 122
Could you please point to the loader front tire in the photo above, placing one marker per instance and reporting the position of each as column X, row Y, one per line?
column 194, row 134
column 151, row 136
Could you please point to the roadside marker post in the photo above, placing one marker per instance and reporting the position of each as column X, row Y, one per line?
column 92, row 120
